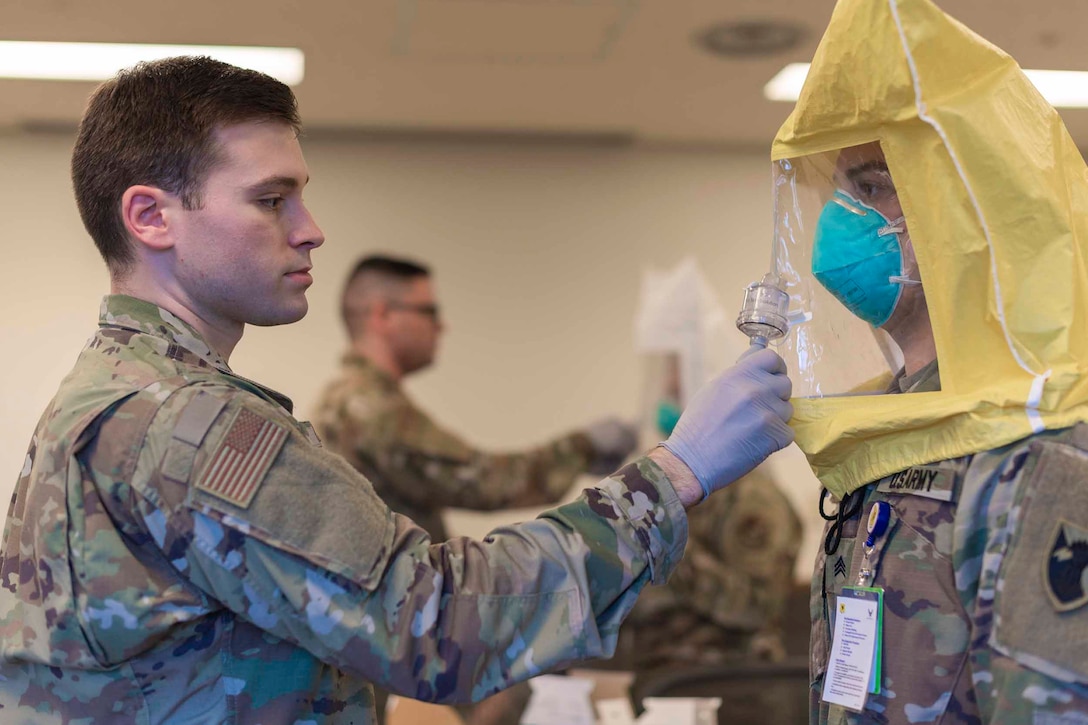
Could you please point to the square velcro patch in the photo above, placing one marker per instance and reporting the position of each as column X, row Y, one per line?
column 242, row 458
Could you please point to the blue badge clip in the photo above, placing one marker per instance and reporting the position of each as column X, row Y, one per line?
column 879, row 516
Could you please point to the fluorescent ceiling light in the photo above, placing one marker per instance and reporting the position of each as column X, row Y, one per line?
column 100, row 61
column 1061, row 88
column 786, row 84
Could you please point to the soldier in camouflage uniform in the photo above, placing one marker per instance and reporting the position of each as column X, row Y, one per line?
column 968, row 638
column 971, row 632
column 415, row 465
column 180, row 549
column 966, row 274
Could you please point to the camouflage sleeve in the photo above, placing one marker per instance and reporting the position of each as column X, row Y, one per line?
column 1021, row 557
column 307, row 551
column 430, row 467
column 742, row 547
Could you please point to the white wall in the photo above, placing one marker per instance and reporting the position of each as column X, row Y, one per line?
column 537, row 250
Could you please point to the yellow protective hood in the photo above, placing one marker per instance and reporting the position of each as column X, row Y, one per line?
column 996, row 196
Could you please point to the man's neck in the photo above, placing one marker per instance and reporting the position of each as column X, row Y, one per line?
column 913, row 333
column 916, row 344
column 222, row 338
column 377, row 355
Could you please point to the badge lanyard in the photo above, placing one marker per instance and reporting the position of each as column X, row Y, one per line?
column 880, row 515
column 853, row 671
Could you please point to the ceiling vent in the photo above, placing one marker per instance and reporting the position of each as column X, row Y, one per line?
column 750, row 38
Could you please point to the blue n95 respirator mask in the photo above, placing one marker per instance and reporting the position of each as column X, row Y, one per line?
column 858, row 258
column 667, row 415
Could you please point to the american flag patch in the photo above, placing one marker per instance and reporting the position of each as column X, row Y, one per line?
column 243, row 458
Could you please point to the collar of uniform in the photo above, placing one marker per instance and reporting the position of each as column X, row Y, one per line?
column 364, row 366
column 183, row 342
column 925, row 380
column 135, row 314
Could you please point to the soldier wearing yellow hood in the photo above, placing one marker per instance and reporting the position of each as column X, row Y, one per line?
column 956, row 407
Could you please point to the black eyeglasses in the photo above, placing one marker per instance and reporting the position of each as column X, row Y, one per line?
column 427, row 309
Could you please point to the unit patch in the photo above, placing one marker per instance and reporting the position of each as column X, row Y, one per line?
column 1066, row 567
column 242, row 459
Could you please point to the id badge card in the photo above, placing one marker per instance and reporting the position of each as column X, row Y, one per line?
column 856, row 651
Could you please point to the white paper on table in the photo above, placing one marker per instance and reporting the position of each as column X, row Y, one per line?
column 615, row 711
column 680, row 711
column 559, row 699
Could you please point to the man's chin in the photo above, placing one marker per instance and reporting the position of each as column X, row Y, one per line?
column 286, row 316
column 416, row 365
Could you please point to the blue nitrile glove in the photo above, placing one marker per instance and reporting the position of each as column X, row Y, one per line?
column 735, row 421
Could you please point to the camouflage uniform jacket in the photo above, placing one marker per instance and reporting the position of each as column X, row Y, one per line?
column 984, row 575
column 419, row 468
column 180, row 549
column 726, row 600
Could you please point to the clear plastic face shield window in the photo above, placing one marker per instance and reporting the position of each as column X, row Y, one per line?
column 858, row 322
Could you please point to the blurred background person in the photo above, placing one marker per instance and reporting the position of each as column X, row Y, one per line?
column 420, row 468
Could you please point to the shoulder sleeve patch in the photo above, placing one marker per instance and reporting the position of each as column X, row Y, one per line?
column 1039, row 594
column 242, row 458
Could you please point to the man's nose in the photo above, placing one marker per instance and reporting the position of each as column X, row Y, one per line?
column 307, row 231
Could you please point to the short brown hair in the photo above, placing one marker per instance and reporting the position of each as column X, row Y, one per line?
column 376, row 274
column 153, row 124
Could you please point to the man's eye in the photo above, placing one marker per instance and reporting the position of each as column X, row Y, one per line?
column 272, row 203
column 871, row 191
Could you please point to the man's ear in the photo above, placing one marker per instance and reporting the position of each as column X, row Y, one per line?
column 377, row 312
column 146, row 211
column 379, row 320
